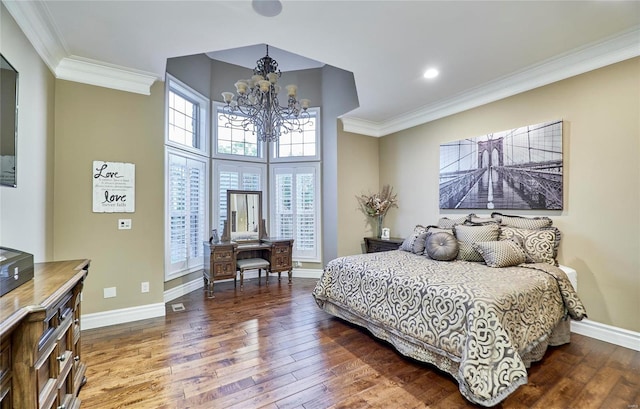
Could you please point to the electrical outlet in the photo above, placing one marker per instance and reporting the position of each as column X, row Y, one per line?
column 109, row 292
column 144, row 287
column 124, row 224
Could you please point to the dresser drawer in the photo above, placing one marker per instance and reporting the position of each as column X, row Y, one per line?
column 5, row 359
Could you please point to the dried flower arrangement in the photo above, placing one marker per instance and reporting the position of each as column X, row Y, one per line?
column 378, row 204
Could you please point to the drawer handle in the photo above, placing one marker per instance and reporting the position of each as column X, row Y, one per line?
column 62, row 406
column 76, row 358
column 61, row 358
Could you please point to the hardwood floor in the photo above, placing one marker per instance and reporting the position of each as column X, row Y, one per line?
column 270, row 346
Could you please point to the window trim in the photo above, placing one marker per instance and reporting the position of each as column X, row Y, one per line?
column 172, row 83
column 261, row 158
column 274, row 158
column 171, row 273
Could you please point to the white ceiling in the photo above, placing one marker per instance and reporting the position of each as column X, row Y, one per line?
column 485, row 50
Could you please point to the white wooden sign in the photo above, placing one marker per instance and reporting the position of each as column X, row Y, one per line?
column 114, row 186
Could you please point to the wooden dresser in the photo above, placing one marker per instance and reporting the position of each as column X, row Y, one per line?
column 220, row 259
column 374, row 244
column 40, row 351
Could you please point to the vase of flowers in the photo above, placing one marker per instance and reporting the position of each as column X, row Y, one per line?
column 378, row 204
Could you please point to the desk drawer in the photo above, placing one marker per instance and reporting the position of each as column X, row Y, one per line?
column 282, row 249
column 222, row 255
column 221, row 270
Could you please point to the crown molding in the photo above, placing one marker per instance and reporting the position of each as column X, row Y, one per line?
column 104, row 75
column 585, row 59
column 35, row 21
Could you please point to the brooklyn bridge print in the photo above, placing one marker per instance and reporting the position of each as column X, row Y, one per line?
column 516, row 169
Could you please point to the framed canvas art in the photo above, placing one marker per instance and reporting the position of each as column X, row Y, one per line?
column 520, row 168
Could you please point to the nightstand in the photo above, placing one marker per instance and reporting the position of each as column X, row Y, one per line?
column 375, row 244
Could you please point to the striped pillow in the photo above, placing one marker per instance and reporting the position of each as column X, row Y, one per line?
column 521, row 222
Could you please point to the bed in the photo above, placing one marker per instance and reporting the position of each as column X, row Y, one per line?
column 481, row 324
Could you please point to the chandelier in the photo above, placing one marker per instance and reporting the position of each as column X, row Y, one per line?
column 256, row 103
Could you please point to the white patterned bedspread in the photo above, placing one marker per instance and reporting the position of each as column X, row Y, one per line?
column 473, row 321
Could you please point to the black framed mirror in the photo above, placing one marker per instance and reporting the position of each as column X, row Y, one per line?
column 244, row 215
column 8, row 122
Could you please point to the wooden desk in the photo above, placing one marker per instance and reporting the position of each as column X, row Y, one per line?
column 40, row 360
column 220, row 259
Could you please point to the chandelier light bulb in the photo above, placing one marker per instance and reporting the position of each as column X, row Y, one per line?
column 292, row 90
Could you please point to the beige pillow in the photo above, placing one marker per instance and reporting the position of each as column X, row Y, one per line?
column 467, row 235
column 504, row 253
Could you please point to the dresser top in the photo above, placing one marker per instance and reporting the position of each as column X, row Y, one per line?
column 50, row 281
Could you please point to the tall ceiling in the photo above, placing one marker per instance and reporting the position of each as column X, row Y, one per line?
column 484, row 50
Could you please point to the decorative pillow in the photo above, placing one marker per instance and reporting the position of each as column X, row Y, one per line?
column 467, row 235
column 504, row 253
column 540, row 246
column 441, row 246
column 474, row 219
column 436, row 229
column 415, row 242
column 448, row 223
column 521, row 222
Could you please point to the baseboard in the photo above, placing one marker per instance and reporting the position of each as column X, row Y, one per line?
column 183, row 289
column 122, row 316
column 607, row 333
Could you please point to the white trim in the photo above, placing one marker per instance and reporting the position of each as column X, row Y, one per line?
column 36, row 23
column 607, row 333
column 307, row 272
column 34, row 19
column 585, row 59
column 122, row 316
column 183, row 289
column 101, row 74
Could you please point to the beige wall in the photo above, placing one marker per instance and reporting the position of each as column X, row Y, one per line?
column 601, row 217
column 26, row 213
column 358, row 159
column 94, row 123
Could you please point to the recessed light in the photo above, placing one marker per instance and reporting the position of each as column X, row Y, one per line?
column 267, row 8
column 431, row 73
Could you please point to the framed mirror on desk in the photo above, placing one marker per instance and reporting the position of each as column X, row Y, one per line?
column 244, row 216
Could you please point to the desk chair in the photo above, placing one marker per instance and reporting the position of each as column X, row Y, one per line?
column 252, row 264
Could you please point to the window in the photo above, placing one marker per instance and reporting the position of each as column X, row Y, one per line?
column 186, row 212
column 295, row 207
column 235, row 176
column 303, row 145
column 233, row 142
column 186, row 178
column 187, row 118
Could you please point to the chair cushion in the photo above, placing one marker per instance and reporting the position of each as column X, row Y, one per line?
column 249, row 263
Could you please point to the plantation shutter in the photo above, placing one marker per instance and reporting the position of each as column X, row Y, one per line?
column 187, row 210
column 296, row 208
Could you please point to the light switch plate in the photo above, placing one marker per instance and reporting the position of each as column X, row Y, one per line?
column 124, row 224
